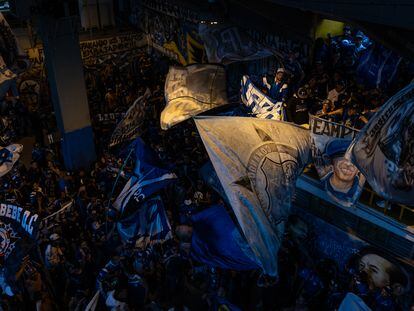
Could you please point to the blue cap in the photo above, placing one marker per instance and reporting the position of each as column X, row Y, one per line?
column 337, row 147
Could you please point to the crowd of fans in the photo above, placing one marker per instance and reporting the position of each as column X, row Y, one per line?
column 79, row 252
column 330, row 87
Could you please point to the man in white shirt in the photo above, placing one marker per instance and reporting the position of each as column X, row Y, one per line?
column 333, row 95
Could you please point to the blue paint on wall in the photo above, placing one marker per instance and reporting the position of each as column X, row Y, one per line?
column 78, row 148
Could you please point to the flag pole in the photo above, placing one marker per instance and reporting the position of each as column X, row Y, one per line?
column 113, row 188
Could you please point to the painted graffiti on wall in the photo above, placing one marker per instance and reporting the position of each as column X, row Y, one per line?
column 115, row 44
column 178, row 39
column 282, row 44
column 171, row 9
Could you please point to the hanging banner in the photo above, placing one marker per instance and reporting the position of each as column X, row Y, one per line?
column 341, row 179
column 257, row 162
column 261, row 105
column 18, row 230
column 109, row 118
column 131, row 125
column 111, row 45
column 171, row 9
column 384, row 149
column 192, row 90
column 227, row 44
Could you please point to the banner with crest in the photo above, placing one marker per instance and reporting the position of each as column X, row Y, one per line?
column 257, row 162
column 18, row 231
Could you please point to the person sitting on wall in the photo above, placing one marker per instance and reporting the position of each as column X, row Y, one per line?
column 342, row 182
column 278, row 89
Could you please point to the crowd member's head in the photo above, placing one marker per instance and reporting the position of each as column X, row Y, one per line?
column 340, row 85
column 280, row 74
column 379, row 271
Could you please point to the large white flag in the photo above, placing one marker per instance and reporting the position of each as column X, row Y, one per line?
column 192, row 90
column 8, row 157
column 257, row 162
column 384, row 149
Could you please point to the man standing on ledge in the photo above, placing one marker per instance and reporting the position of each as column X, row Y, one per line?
column 277, row 89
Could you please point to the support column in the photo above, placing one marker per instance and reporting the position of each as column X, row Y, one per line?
column 68, row 92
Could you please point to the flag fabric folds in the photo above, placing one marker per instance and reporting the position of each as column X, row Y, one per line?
column 261, row 105
column 192, row 90
column 147, row 225
column 227, row 44
column 217, row 242
column 8, row 157
column 384, row 148
column 130, row 126
column 377, row 67
column 146, row 180
column 341, row 179
column 208, row 174
column 7, row 81
column 257, row 162
column 18, row 230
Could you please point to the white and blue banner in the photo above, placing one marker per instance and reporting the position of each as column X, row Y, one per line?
column 192, row 90
column 8, row 157
column 146, row 180
column 257, row 162
column 384, row 149
column 147, row 225
column 227, row 44
column 261, row 105
column 340, row 178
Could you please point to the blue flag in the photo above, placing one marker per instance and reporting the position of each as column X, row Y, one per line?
column 147, row 178
column 217, row 242
column 208, row 174
column 147, row 225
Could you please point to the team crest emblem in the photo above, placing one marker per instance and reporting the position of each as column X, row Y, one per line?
column 8, row 239
column 271, row 170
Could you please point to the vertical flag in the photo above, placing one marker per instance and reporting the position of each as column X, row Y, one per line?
column 146, row 180
column 384, row 149
column 257, row 162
